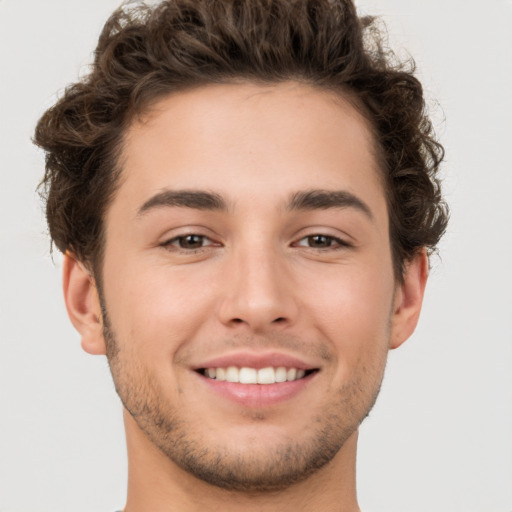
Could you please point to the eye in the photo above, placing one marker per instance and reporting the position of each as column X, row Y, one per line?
column 322, row 242
column 189, row 242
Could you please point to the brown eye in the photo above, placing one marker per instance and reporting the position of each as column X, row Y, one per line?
column 188, row 242
column 191, row 241
column 320, row 241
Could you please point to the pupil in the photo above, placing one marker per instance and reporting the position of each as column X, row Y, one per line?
column 319, row 241
column 191, row 242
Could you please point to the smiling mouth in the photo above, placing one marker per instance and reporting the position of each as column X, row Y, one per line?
column 247, row 375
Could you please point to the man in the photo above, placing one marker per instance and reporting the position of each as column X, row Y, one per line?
column 246, row 197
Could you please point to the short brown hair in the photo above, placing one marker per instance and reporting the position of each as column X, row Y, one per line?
column 144, row 53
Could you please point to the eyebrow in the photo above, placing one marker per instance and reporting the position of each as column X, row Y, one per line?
column 318, row 199
column 315, row 199
column 197, row 199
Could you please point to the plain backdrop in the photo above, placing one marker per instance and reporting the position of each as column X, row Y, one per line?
column 440, row 436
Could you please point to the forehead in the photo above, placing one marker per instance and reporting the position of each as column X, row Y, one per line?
column 243, row 140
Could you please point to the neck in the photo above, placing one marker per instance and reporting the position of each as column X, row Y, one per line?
column 155, row 483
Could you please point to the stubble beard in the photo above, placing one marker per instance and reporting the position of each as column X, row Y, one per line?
column 224, row 467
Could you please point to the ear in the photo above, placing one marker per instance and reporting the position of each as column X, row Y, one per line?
column 408, row 299
column 83, row 304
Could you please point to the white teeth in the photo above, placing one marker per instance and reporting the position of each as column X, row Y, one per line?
column 232, row 374
column 246, row 375
column 281, row 374
column 266, row 375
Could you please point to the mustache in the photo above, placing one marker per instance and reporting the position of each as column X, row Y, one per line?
column 316, row 349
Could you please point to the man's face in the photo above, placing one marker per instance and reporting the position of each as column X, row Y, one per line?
column 250, row 231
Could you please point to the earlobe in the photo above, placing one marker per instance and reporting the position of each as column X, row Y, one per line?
column 82, row 304
column 408, row 299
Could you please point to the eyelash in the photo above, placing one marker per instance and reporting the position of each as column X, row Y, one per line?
column 339, row 243
column 169, row 244
column 176, row 243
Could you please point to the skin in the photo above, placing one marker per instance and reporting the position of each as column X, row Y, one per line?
column 257, row 282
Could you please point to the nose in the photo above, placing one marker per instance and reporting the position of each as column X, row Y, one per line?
column 257, row 291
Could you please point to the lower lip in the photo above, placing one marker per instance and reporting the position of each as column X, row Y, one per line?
column 258, row 395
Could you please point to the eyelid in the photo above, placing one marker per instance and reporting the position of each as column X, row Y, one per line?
column 174, row 241
column 177, row 231
column 336, row 233
column 338, row 241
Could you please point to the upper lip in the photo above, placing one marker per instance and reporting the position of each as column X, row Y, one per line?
column 255, row 360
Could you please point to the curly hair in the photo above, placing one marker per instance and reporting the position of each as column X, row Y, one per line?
column 144, row 53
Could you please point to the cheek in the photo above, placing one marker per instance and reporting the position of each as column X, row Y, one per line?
column 154, row 310
column 353, row 311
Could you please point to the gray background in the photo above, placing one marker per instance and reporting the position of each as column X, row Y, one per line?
column 439, row 439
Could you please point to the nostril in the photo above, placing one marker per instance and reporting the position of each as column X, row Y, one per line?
column 237, row 321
